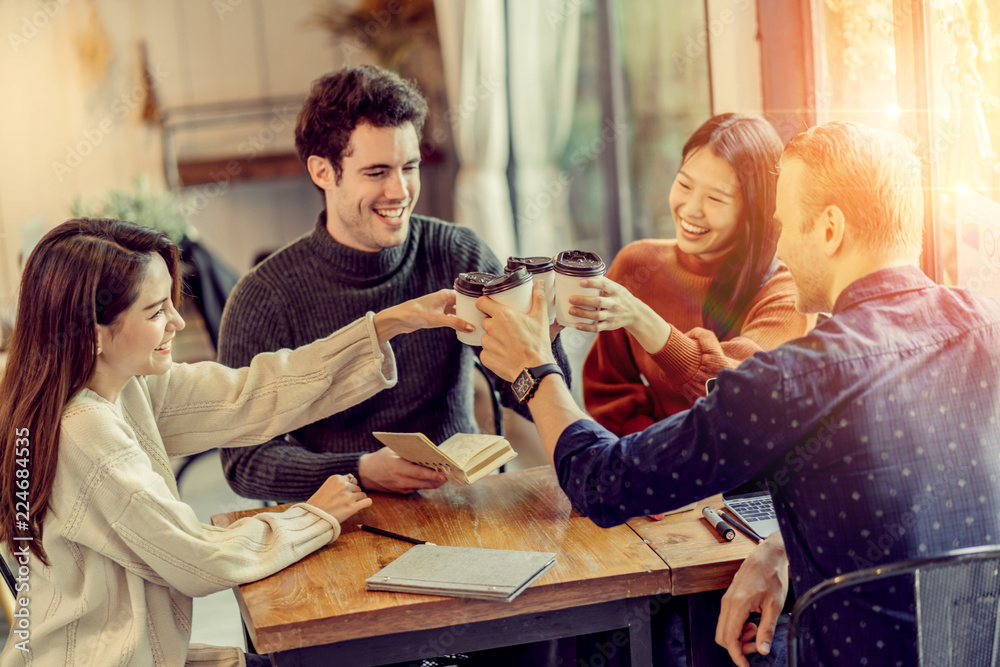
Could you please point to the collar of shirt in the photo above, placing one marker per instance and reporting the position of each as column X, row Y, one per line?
column 880, row 284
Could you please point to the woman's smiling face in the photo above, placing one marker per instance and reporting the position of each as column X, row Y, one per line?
column 707, row 205
column 139, row 341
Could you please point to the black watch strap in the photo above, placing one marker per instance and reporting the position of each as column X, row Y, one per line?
column 538, row 372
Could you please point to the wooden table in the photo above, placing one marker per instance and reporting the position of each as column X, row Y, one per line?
column 319, row 608
column 701, row 562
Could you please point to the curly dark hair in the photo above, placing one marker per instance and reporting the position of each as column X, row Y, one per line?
column 338, row 102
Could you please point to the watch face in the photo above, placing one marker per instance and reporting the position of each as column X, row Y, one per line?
column 522, row 385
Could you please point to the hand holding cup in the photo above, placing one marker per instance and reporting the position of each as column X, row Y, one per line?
column 571, row 267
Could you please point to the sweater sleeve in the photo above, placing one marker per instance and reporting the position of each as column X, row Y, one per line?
column 690, row 358
column 277, row 469
column 613, row 390
column 615, row 393
column 123, row 510
column 203, row 405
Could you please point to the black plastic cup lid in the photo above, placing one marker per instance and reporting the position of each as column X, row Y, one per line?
column 532, row 264
column 579, row 263
column 508, row 281
column 471, row 284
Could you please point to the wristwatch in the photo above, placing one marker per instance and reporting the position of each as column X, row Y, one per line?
column 527, row 382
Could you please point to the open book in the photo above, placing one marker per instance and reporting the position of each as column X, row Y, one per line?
column 463, row 458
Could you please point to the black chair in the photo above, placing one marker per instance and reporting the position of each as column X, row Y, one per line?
column 7, row 597
column 941, row 611
column 8, row 576
column 494, row 399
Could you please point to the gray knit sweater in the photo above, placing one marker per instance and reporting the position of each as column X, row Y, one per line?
column 315, row 286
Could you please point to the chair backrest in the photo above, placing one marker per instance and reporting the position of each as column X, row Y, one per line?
column 8, row 576
column 941, row 611
column 494, row 399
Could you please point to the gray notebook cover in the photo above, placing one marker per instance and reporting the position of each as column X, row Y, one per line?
column 488, row 574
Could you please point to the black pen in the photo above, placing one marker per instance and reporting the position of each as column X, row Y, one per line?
column 720, row 526
column 397, row 536
column 746, row 530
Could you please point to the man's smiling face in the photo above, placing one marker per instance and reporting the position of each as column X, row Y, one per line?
column 369, row 208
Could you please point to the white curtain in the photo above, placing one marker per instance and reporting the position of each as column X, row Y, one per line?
column 543, row 73
column 474, row 51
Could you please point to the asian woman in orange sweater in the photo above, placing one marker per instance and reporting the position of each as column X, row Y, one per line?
column 674, row 312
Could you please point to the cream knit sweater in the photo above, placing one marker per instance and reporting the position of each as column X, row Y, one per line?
column 126, row 554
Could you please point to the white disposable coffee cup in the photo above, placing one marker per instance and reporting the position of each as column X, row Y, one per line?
column 468, row 288
column 570, row 267
column 512, row 290
column 542, row 269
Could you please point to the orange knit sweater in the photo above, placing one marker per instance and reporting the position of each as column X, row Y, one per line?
column 626, row 389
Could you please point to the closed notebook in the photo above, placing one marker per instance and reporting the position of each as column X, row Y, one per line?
column 469, row 572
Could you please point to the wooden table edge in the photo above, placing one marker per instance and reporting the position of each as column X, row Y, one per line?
column 406, row 618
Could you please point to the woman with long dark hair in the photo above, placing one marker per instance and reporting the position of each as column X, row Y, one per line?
column 674, row 312
column 91, row 409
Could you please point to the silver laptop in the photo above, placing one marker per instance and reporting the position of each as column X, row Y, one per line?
column 754, row 508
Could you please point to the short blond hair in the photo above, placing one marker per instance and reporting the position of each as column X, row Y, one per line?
column 872, row 176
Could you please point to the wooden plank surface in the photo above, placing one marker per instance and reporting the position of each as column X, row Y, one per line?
column 699, row 558
column 322, row 599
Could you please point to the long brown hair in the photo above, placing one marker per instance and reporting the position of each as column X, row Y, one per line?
column 82, row 273
column 752, row 148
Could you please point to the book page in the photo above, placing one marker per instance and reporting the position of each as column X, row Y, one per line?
column 484, row 466
column 463, row 447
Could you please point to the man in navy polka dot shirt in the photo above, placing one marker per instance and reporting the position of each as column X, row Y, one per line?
column 877, row 433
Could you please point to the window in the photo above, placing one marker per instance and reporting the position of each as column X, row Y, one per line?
column 943, row 58
column 964, row 48
column 660, row 60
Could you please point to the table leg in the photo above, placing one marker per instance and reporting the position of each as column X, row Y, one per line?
column 640, row 637
column 703, row 614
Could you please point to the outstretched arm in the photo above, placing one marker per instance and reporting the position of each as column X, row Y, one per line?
column 688, row 358
column 283, row 470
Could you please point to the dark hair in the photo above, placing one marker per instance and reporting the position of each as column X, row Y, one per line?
column 752, row 148
column 338, row 102
column 82, row 273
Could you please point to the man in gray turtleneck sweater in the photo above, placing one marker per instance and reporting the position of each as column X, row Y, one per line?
column 358, row 133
